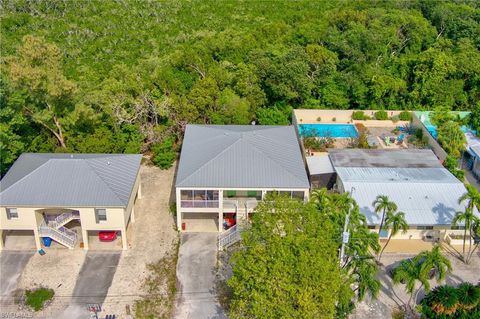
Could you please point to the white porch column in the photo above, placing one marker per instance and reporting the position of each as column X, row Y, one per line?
column 264, row 192
column 124, row 239
column 85, row 238
column 220, row 210
column 139, row 191
column 1, row 239
column 178, row 198
column 37, row 239
column 132, row 214
column 306, row 195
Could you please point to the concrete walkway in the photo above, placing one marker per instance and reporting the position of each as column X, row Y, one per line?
column 196, row 277
column 92, row 284
column 12, row 264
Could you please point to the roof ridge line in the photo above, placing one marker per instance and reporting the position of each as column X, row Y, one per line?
column 266, row 155
column 48, row 160
column 103, row 181
column 211, row 159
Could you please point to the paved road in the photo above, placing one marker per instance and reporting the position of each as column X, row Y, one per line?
column 92, row 284
column 196, row 277
column 12, row 264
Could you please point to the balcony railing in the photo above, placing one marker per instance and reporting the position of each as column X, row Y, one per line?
column 194, row 203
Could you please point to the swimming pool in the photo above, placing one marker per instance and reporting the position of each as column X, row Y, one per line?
column 328, row 130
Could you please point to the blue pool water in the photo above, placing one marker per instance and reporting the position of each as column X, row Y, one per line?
column 328, row 130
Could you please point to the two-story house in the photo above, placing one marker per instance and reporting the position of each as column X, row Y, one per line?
column 45, row 195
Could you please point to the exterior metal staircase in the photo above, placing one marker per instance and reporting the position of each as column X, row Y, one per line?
column 55, row 229
column 229, row 237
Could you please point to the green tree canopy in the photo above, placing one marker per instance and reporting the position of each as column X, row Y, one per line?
column 287, row 266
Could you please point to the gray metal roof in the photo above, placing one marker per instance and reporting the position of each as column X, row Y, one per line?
column 383, row 158
column 427, row 195
column 70, row 180
column 241, row 156
column 319, row 165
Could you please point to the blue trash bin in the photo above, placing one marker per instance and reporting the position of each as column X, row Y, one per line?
column 47, row 241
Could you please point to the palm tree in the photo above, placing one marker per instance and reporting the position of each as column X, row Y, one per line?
column 397, row 222
column 443, row 300
column 433, row 262
column 468, row 218
column 383, row 204
column 320, row 197
column 408, row 272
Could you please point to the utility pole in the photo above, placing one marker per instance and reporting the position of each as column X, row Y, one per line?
column 345, row 234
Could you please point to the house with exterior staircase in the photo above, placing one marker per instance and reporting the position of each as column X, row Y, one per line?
column 69, row 198
column 226, row 170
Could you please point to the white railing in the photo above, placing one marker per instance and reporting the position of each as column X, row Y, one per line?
column 63, row 235
column 251, row 204
column 198, row 203
column 64, row 218
column 230, row 204
column 229, row 237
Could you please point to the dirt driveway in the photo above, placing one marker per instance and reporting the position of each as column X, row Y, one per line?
column 196, row 271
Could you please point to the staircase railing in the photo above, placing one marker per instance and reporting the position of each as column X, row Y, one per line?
column 62, row 235
column 64, row 218
column 229, row 237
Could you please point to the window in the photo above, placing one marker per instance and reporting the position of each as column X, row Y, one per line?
column 424, row 227
column 371, row 227
column 100, row 215
column 457, row 227
column 12, row 213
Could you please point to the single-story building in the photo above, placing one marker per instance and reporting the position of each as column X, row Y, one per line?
column 69, row 197
column 225, row 170
column 413, row 179
column 321, row 171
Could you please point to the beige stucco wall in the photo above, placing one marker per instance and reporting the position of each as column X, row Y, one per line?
column 436, row 148
column 31, row 218
column 301, row 116
column 27, row 219
column 131, row 201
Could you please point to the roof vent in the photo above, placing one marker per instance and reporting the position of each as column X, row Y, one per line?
column 426, row 196
column 71, row 155
column 108, row 162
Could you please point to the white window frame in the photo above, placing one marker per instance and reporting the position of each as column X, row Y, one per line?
column 99, row 218
column 12, row 213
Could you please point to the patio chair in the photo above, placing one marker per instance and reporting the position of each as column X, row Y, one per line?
column 400, row 139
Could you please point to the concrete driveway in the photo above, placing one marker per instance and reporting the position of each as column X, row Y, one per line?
column 12, row 264
column 93, row 282
column 197, row 260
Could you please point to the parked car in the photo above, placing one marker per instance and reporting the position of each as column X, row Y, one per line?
column 107, row 235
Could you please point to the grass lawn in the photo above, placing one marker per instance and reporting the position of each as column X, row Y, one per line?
column 37, row 298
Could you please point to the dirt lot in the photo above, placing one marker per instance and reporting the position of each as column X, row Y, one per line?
column 150, row 237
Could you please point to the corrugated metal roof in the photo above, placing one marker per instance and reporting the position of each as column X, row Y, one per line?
column 422, row 203
column 320, row 165
column 242, row 156
column 395, row 175
column 75, row 180
column 427, row 195
column 384, row 158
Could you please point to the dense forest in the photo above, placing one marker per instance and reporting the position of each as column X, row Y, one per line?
column 126, row 76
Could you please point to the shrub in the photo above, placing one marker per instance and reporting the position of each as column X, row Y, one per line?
column 405, row 116
column 359, row 115
column 451, row 164
column 319, row 119
column 418, row 133
column 395, row 118
column 37, row 298
column 381, row 115
column 164, row 153
column 334, row 119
